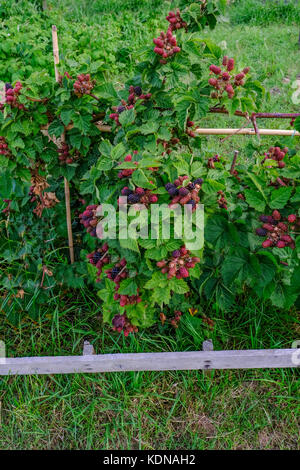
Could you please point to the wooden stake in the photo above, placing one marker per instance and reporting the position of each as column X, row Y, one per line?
column 236, row 152
column 67, row 187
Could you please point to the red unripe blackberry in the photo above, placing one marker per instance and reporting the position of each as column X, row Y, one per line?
column 246, row 70
column 267, row 243
column 239, row 76
column 286, row 238
column 215, row 69
column 225, row 60
column 128, row 158
column 158, row 50
column 229, row 88
column 268, row 227
column 230, row 65
column 281, row 164
column 213, row 81
column 282, row 226
column 158, row 42
column 153, row 198
column 276, row 215
column 225, row 76
column 292, row 218
column 184, row 272
column 190, row 123
column 280, row 244
column 183, row 250
column 176, row 49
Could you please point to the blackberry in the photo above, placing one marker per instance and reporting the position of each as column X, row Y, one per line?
column 118, row 321
column 126, row 192
column 191, row 186
column 261, row 232
column 173, row 191
column 198, row 181
column 8, row 86
column 133, row 198
column 183, row 191
column 96, row 257
column 138, row 90
column 176, row 254
column 114, row 272
column 169, row 186
column 121, row 109
column 264, row 219
column 192, row 202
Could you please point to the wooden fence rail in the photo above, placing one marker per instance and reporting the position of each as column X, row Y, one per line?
column 190, row 360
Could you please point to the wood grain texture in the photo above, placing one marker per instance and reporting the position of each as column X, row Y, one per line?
column 191, row 360
column 215, row 131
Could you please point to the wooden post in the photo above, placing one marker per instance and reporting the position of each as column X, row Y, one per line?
column 67, row 187
column 207, row 345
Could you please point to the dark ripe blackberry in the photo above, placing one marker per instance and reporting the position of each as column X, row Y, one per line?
column 264, row 219
column 121, row 109
column 118, row 321
column 176, row 254
column 169, row 186
column 138, row 90
column 96, row 257
column 173, row 191
column 192, row 202
column 8, row 86
column 126, row 192
column 198, row 181
column 191, row 186
column 183, row 191
column 114, row 272
column 261, row 232
column 133, row 198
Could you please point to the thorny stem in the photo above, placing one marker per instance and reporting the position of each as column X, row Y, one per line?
column 236, row 152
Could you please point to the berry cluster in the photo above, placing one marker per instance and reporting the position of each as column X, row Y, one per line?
column 127, row 171
column 135, row 93
column 139, row 195
column 99, row 258
column 4, row 150
column 12, row 95
column 64, row 154
column 179, row 264
column 83, row 85
column 190, row 132
column 184, row 194
column 211, row 161
column 89, row 220
column 176, row 319
column 222, row 202
column 7, row 208
column 226, row 82
column 167, row 145
column 175, row 20
column 122, row 323
column 118, row 273
column 277, row 154
column 276, row 230
column 165, row 45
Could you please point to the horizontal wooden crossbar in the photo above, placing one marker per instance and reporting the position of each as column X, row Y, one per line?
column 214, row 131
column 190, row 360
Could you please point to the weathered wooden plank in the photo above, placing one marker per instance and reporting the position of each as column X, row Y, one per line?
column 191, row 360
column 245, row 131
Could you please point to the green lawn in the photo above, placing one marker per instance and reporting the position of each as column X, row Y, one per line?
column 163, row 410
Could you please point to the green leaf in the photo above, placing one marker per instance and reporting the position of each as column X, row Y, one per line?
column 128, row 287
column 255, row 199
column 279, row 197
column 127, row 117
column 56, row 128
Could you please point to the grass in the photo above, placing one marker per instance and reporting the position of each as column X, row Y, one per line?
column 254, row 409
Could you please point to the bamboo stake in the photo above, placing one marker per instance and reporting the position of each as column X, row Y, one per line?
column 66, row 182
column 214, row 131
